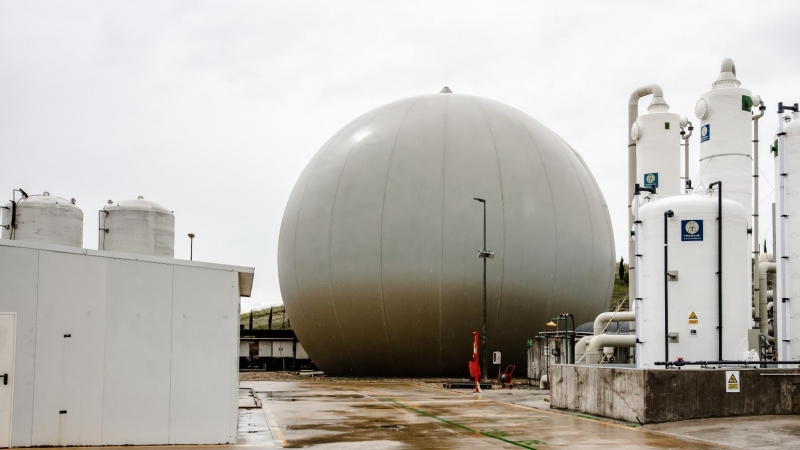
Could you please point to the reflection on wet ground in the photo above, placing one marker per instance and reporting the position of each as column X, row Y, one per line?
column 398, row 415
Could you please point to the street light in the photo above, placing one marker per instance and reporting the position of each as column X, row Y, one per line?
column 191, row 245
column 485, row 254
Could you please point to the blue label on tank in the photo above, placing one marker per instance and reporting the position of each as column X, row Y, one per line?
column 705, row 132
column 651, row 180
column 691, row 230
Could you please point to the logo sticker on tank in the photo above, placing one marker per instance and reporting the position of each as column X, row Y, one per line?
column 651, row 180
column 691, row 230
column 705, row 132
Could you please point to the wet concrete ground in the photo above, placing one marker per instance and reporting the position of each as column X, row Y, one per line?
column 396, row 415
column 384, row 415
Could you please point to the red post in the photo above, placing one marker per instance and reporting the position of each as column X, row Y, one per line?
column 474, row 366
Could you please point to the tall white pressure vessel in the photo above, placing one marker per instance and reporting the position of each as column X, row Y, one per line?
column 726, row 138
column 693, row 291
column 787, row 215
column 44, row 219
column 658, row 150
column 137, row 226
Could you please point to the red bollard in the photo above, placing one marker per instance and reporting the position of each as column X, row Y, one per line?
column 474, row 367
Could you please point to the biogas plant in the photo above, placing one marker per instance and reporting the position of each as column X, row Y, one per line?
column 423, row 237
column 381, row 239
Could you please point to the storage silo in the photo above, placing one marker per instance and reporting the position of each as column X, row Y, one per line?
column 683, row 298
column 137, row 226
column 43, row 218
column 378, row 250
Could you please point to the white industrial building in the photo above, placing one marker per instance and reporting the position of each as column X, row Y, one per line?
column 109, row 348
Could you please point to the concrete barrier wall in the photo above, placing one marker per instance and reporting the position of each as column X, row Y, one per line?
column 608, row 392
column 657, row 395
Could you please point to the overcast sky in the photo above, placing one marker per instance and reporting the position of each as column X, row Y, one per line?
column 214, row 108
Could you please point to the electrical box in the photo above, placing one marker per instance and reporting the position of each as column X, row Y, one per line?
column 495, row 357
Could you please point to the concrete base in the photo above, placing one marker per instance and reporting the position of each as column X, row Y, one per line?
column 658, row 395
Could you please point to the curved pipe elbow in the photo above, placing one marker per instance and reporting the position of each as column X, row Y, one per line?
column 644, row 91
column 761, row 108
column 728, row 66
column 606, row 317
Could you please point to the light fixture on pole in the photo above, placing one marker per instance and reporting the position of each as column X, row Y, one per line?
column 485, row 254
column 191, row 246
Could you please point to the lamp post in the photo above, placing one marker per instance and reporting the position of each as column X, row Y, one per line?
column 191, row 245
column 485, row 254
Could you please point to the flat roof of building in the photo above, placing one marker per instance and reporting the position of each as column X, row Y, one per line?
column 246, row 274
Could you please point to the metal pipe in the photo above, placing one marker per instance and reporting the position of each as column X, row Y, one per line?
column 600, row 323
column 607, row 340
column 763, row 269
column 601, row 320
column 707, row 363
column 667, row 215
column 719, row 262
column 756, row 236
column 102, row 230
column 483, row 253
column 580, row 348
column 686, row 181
column 633, row 113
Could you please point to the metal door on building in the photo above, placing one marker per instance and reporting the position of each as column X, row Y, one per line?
column 8, row 344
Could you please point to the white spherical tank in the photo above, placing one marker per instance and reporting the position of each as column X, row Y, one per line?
column 693, row 292
column 658, row 150
column 383, row 230
column 137, row 226
column 44, row 219
column 787, row 215
column 726, row 138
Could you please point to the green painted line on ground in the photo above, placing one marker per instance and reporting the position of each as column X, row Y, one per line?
column 458, row 425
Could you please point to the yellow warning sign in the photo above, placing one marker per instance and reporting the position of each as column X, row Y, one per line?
column 693, row 319
column 733, row 381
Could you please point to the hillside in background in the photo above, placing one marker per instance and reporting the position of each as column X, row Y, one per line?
column 280, row 321
column 620, row 292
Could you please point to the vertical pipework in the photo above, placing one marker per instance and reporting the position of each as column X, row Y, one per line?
column 667, row 215
column 756, row 247
column 782, row 238
column 636, row 299
column 685, row 136
column 719, row 263
column 633, row 113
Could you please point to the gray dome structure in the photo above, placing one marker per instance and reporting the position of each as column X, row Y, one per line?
column 378, row 251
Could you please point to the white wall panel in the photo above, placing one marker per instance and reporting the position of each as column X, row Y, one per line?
column 137, row 353
column 19, row 269
column 301, row 352
column 244, row 349
column 264, row 348
column 69, row 370
column 151, row 356
column 282, row 349
column 205, row 327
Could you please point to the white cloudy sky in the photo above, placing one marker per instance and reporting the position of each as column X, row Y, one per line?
column 214, row 108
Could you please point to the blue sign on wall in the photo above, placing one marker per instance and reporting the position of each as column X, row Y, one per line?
column 691, row 230
column 651, row 180
column 705, row 132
